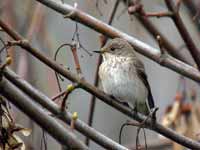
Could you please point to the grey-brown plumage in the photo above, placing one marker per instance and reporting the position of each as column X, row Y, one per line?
column 123, row 75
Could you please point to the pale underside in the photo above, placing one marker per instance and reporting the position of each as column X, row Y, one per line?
column 120, row 80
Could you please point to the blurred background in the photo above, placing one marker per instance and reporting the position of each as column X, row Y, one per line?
column 47, row 30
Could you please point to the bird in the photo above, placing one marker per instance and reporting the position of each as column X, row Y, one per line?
column 122, row 75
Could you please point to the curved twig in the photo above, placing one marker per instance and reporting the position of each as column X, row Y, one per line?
column 55, row 57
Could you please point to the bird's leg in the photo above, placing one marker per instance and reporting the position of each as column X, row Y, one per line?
column 135, row 111
column 153, row 113
column 140, row 125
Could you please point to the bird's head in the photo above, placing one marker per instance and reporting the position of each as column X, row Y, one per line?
column 117, row 47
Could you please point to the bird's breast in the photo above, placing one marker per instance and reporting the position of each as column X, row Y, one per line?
column 119, row 78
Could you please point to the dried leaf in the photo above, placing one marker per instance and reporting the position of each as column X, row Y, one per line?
column 26, row 131
column 171, row 116
column 19, row 140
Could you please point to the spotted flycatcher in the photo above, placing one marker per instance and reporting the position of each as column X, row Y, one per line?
column 123, row 76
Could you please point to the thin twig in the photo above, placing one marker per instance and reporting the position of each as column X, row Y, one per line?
column 55, row 58
column 58, row 95
column 135, row 6
column 159, row 14
column 76, row 59
column 69, row 90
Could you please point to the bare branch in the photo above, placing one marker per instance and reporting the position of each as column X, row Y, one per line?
column 36, row 113
column 171, row 49
column 101, row 95
column 183, row 31
column 66, row 117
column 112, row 32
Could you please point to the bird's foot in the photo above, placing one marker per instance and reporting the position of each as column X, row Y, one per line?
column 153, row 113
column 133, row 123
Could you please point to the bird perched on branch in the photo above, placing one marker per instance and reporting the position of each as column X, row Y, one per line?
column 123, row 76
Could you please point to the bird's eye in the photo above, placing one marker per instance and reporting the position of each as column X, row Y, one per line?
column 112, row 48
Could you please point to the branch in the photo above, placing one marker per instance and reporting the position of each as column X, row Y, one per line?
column 154, row 145
column 194, row 51
column 155, row 32
column 47, row 103
column 24, row 103
column 112, row 32
column 101, row 95
column 194, row 10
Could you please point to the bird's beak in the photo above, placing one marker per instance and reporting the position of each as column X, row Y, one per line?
column 98, row 52
column 103, row 50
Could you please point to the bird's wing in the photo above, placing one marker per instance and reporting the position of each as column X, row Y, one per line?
column 142, row 75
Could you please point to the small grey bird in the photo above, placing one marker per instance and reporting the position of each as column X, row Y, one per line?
column 123, row 76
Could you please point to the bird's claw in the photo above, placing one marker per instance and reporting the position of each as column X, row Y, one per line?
column 153, row 113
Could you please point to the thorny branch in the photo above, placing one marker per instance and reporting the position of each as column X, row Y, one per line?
column 101, row 95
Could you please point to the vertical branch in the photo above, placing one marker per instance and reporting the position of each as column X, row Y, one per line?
column 24, row 65
column 76, row 60
column 36, row 18
column 194, row 10
column 103, row 40
column 183, row 32
column 9, row 14
column 45, row 39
